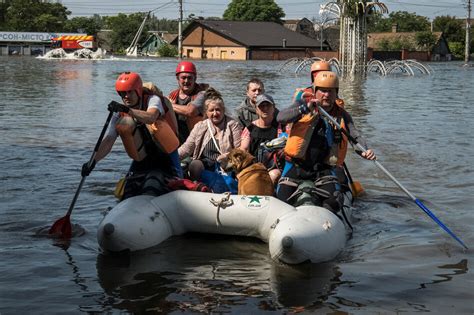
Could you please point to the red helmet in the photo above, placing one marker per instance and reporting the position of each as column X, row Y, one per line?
column 186, row 66
column 129, row 81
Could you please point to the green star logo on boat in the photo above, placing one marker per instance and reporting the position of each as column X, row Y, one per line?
column 255, row 199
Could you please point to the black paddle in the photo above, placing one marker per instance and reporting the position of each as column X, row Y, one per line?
column 356, row 186
column 416, row 200
column 62, row 227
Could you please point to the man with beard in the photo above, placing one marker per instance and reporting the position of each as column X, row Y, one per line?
column 316, row 150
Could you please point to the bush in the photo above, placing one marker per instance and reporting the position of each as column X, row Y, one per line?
column 457, row 49
column 167, row 50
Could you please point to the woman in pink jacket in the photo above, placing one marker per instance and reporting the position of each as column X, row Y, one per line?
column 211, row 139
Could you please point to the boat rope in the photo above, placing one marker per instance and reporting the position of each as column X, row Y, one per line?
column 223, row 203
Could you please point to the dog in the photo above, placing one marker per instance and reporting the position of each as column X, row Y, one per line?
column 253, row 177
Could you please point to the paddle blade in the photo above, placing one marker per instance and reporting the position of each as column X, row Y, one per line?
column 62, row 228
column 357, row 188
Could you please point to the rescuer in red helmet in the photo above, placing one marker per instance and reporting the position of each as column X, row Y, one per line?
column 187, row 99
column 147, row 126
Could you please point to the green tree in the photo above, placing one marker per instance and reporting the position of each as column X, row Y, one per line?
column 3, row 12
column 378, row 24
column 457, row 49
column 406, row 22
column 254, row 10
column 88, row 25
column 124, row 28
column 167, row 50
column 401, row 43
column 409, row 22
column 425, row 40
column 35, row 16
column 451, row 27
column 383, row 44
column 170, row 26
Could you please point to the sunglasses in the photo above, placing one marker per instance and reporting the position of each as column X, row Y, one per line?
column 186, row 77
column 124, row 93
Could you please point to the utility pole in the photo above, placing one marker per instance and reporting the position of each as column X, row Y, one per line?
column 180, row 30
column 468, row 35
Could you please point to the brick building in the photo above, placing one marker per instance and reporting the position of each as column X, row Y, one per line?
column 242, row 40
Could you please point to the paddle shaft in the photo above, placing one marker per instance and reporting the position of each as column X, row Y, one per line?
column 347, row 172
column 97, row 145
column 416, row 200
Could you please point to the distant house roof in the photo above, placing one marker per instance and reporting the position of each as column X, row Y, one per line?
column 302, row 26
column 373, row 39
column 254, row 34
column 293, row 24
column 167, row 37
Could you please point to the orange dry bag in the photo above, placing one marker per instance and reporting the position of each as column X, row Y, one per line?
column 163, row 135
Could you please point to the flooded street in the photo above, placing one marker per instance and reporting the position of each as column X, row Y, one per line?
column 398, row 260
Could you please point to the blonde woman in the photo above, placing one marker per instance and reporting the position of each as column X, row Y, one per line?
column 211, row 139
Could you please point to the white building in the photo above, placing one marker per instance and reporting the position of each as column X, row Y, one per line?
column 27, row 43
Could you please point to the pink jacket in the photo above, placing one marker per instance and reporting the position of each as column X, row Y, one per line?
column 228, row 139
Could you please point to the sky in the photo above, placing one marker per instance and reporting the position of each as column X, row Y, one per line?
column 294, row 9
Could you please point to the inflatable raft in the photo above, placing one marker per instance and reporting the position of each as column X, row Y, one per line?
column 295, row 235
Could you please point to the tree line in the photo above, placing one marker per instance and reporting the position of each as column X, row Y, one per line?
column 39, row 16
column 453, row 29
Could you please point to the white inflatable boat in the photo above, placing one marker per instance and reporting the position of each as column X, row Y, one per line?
column 294, row 235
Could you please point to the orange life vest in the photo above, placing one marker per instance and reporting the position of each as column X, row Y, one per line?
column 300, row 137
column 164, row 131
column 190, row 121
column 302, row 131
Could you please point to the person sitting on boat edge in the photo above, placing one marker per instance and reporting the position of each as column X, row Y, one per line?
column 211, row 139
column 315, row 149
column 262, row 130
column 149, row 134
column 246, row 112
column 187, row 107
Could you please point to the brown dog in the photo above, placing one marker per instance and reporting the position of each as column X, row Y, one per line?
column 253, row 177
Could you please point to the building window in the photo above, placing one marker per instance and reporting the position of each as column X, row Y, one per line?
column 189, row 53
column 204, row 54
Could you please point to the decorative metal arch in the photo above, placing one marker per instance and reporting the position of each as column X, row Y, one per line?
column 409, row 67
column 303, row 63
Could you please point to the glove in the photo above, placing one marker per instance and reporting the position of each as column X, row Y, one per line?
column 303, row 97
column 86, row 169
column 117, row 107
column 313, row 105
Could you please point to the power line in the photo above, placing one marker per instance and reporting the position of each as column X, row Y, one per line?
column 420, row 5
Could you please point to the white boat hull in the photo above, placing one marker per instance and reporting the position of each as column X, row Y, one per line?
column 295, row 235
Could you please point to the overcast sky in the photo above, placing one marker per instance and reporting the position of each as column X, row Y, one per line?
column 293, row 9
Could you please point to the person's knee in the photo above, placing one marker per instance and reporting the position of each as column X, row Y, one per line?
column 195, row 169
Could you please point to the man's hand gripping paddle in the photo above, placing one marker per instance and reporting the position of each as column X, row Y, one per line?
column 416, row 200
column 62, row 227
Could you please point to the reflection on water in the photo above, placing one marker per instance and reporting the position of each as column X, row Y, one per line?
column 217, row 275
column 456, row 269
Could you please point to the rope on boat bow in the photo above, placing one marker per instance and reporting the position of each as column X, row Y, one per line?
column 223, row 203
